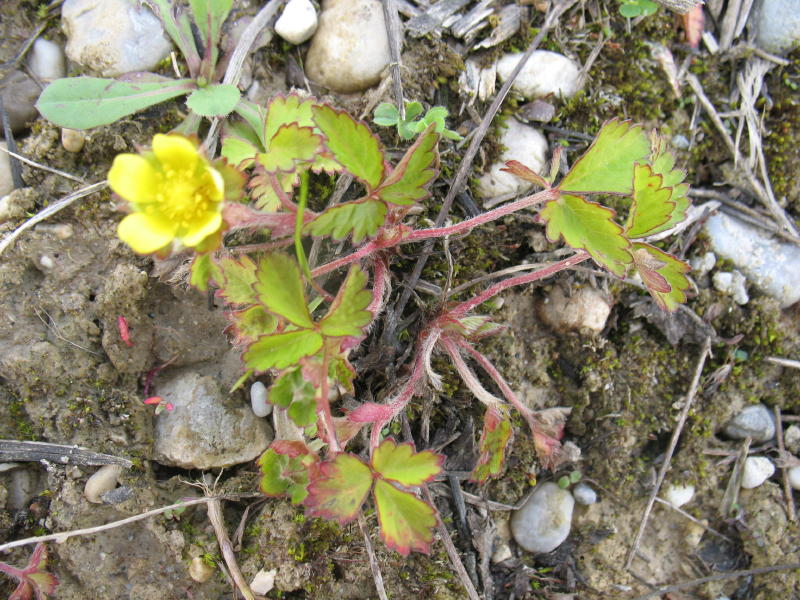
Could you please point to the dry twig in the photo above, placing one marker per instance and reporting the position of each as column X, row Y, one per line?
column 373, row 560
column 787, row 488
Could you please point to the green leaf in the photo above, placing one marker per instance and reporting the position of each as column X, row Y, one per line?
column 239, row 276
column 176, row 24
column 342, row 372
column 86, row 102
column 406, row 521
column 607, row 166
column 407, row 183
column 352, row 145
column 287, row 110
column 663, row 163
column 495, row 438
column 286, row 472
column 362, row 218
column 590, row 226
column 291, row 391
column 290, row 145
column 347, row 315
column 214, row 100
column 203, row 270
column 282, row 349
column 280, row 288
column 652, row 208
column 663, row 274
column 399, row 462
column 303, row 411
column 266, row 198
column 209, row 15
column 340, row 490
column 253, row 322
column 254, row 115
column 237, row 151
column 386, row 114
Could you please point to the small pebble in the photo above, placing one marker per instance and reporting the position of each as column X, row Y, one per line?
column 544, row 74
column 501, row 552
column 200, row 570
column 680, row 141
column 586, row 309
column 103, row 480
column 584, row 494
column 755, row 421
column 791, row 438
column 678, row 495
column 794, row 477
column 6, row 182
column 117, row 495
column 19, row 93
column 776, row 24
column 72, row 140
column 47, row 60
column 264, row 581
column 544, row 521
column 258, row 400
column 46, row 262
column 703, row 264
column 732, row 283
column 757, row 469
column 298, row 22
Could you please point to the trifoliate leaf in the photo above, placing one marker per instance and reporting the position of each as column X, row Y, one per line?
column 362, row 218
column 217, row 100
column 590, row 226
column 406, row 521
column 290, row 145
column 346, row 316
column 607, row 166
column 203, row 269
column 652, row 207
column 282, row 349
column 352, row 144
column 663, row 274
column 280, row 288
column 495, row 438
column 401, row 464
column 407, row 183
column 239, row 276
column 340, row 489
column 286, row 472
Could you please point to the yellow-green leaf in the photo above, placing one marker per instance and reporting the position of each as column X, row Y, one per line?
column 282, row 349
column 663, row 163
column 407, row 183
column 280, row 288
column 239, row 277
column 652, row 205
column 290, row 145
column 362, row 218
column 347, row 315
column 401, row 464
column 406, row 521
column 203, row 269
column 284, row 110
column 253, row 322
column 663, row 274
column 340, row 489
column 588, row 225
column 495, row 438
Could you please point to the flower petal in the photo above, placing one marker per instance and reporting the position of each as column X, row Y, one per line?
column 145, row 234
column 133, row 178
column 202, row 228
column 175, row 151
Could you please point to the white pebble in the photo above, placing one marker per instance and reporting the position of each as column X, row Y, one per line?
column 678, row 495
column 264, row 581
column 794, row 477
column 46, row 262
column 102, row 481
column 258, row 400
column 544, row 521
column 72, row 140
column 703, row 264
column 200, row 570
column 298, row 21
column 757, row 469
column 584, row 494
column 791, row 438
column 732, row 283
column 47, row 60
column 545, row 73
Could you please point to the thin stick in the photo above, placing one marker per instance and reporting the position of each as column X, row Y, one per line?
column 215, row 516
column 373, row 560
column 787, row 488
column 683, row 513
column 11, row 144
column 51, row 210
column 673, row 442
column 394, row 30
column 784, row 362
column 666, row 589
column 32, row 163
column 62, row 537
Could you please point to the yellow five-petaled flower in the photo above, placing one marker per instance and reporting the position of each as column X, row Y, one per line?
column 175, row 194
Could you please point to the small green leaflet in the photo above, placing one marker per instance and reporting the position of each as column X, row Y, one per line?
column 295, row 394
column 280, row 289
column 663, row 163
column 265, row 196
column 290, row 145
column 406, row 521
column 663, row 274
column 203, row 269
column 209, row 16
column 347, row 315
column 286, row 110
column 282, row 349
column 590, row 226
column 495, row 438
column 399, row 463
column 285, row 470
column 362, row 218
column 652, row 208
column 340, row 490
column 607, row 166
column 253, row 322
column 214, row 100
column 352, row 144
column 239, row 276
column 407, row 182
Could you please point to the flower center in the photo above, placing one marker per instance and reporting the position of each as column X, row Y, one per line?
column 184, row 195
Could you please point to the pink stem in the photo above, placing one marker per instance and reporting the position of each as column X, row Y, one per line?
column 378, row 287
column 325, row 408
column 362, row 252
column 14, row 572
column 463, row 308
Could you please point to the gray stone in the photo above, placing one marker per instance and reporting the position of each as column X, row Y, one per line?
column 586, row 309
column 298, row 22
column 112, row 37
column 204, row 430
column 546, row 73
column 757, row 469
column 19, row 93
column 544, row 521
column 776, row 24
column 772, row 266
column 791, row 438
column 47, row 60
column 584, row 494
column 755, row 421
column 6, row 182
column 794, row 478
column 350, row 49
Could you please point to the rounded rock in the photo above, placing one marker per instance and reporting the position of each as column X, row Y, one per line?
column 584, row 494
column 258, row 400
column 6, row 181
column 544, row 74
column 794, row 477
column 678, row 495
column 298, row 22
column 19, row 93
column 791, row 438
column 73, row 140
column 522, row 143
column 757, row 469
column 777, row 25
column 585, row 310
column 103, row 480
column 544, row 521
column 47, row 60
column 350, row 49
column 200, row 570
column 755, row 421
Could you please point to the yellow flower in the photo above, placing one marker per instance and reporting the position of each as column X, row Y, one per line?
column 174, row 191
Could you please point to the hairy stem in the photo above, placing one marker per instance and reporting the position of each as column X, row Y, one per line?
column 325, row 408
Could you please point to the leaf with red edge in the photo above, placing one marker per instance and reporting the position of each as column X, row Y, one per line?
column 279, row 286
column 406, row 521
column 35, row 582
column 340, row 489
column 347, row 315
column 264, row 194
column 239, row 276
column 253, row 322
column 407, row 183
column 547, row 427
column 591, row 226
column 663, row 274
column 517, row 169
column 352, row 144
column 652, row 206
column 495, row 438
column 285, row 469
column 663, row 163
column 361, row 218
column 290, row 145
column 401, row 464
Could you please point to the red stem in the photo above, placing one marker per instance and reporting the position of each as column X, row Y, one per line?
column 362, row 252
column 325, row 405
column 378, row 287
